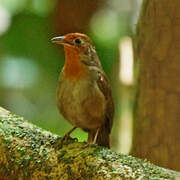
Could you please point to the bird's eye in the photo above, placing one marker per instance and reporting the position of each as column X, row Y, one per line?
column 78, row 41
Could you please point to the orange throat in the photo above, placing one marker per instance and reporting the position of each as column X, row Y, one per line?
column 73, row 68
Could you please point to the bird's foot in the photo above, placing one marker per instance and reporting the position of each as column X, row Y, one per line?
column 66, row 138
column 89, row 145
column 93, row 143
column 60, row 142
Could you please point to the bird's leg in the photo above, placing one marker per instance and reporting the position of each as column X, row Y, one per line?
column 92, row 141
column 66, row 136
column 59, row 144
column 96, row 135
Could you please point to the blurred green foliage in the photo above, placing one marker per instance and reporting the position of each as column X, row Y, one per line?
column 26, row 45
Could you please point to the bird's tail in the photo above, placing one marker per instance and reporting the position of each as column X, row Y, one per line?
column 102, row 137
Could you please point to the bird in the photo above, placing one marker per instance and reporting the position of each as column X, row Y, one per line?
column 84, row 96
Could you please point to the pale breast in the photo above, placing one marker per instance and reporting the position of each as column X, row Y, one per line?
column 81, row 103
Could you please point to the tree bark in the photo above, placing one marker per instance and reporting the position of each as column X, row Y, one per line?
column 157, row 124
column 28, row 152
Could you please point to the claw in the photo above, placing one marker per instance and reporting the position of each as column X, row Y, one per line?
column 60, row 141
column 89, row 145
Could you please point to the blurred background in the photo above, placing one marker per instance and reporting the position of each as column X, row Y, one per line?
column 30, row 64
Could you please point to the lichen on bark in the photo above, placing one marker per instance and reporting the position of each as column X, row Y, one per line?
column 28, row 152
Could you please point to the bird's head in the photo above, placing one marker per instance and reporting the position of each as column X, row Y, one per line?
column 79, row 53
column 78, row 42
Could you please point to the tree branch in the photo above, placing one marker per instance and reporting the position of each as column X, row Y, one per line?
column 28, row 152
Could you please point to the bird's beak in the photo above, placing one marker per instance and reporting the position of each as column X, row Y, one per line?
column 58, row 40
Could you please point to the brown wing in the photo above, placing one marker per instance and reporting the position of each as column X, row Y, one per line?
column 104, row 86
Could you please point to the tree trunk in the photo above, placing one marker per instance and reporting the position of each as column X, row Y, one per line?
column 28, row 152
column 157, row 125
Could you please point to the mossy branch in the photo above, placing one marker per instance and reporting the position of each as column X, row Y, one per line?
column 28, row 152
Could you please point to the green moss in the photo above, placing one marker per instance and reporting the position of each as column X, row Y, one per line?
column 67, row 160
column 91, row 169
column 83, row 155
column 61, row 154
column 14, row 126
column 7, row 140
column 138, row 166
column 49, row 178
column 26, row 173
column 69, row 171
column 21, row 150
column 4, row 169
column 34, row 154
column 47, row 169
column 1, row 130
